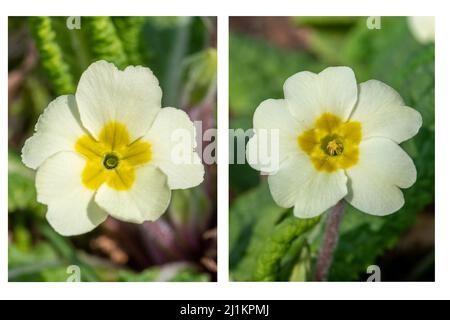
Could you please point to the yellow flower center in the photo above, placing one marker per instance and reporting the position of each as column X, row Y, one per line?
column 332, row 144
column 113, row 158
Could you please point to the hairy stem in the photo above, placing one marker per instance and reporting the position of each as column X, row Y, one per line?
column 329, row 242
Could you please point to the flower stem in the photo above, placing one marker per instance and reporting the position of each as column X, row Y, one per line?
column 329, row 242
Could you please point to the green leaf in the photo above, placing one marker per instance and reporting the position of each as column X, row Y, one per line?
column 171, row 273
column 276, row 247
column 179, row 49
column 67, row 252
column 261, row 236
column 104, row 41
column 34, row 265
column 201, row 73
column 248, row 215
column 416, row 82
column 189, row 209
column 129, row 31
column 21, row 189
column 258, row 71
column 379, row 53
column 74, row 45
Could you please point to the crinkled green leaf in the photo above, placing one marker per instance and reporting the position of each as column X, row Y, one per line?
column 129, row 31
column 104, row 41
column 52, row 60
column 416, row 82
column 261, row 236
column 252, row 215
column 277, row 245
column 172, row 39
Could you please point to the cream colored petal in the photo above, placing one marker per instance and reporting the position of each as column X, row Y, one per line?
column 276, row 135
column 57, row 129
column 131, row 97
column 172, row 137
column 382, row 113
column 71, row 210
column 309, row 95
column 311, row 192
column 146, row 200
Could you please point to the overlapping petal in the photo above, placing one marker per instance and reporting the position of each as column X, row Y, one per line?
column 276, row 134
column 310, row 95
column 57, row 129
column 146, row 200
column 71, row 209
column 383, row 113
column 375, row 182
column 298, row 184
column 131, row 97
column 172, row 137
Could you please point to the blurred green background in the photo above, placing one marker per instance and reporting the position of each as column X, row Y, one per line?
column 266, row 242
column 46, row 57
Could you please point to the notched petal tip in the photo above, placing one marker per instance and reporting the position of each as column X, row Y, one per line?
column 333, row 90
column 338, row 70
column 102, row 64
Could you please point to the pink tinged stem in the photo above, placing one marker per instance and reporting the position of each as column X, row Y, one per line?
column 329, row 241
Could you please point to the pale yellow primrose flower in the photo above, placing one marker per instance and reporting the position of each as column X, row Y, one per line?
column 337, row 140
column 108, row 149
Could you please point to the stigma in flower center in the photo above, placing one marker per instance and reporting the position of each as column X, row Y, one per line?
column 110, row 161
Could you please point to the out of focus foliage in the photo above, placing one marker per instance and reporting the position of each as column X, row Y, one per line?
column 47, row 55
column 261, row 245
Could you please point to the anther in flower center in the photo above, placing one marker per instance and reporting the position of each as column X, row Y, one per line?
column 110, row 161
column 334, row 148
